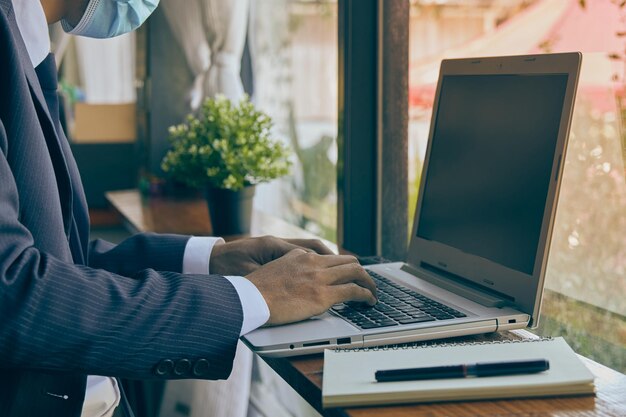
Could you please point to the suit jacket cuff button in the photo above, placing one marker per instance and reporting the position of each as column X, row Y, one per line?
column 182, row 367
column 164, row 367
column 201, row 368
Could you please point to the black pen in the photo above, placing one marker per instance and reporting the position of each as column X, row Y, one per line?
column 462, row 371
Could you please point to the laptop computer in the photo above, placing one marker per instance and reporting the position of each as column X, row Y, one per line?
column 487, row 201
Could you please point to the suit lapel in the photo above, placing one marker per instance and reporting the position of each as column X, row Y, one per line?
column 52, row 140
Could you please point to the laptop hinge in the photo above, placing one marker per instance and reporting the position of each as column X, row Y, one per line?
column 453, row 283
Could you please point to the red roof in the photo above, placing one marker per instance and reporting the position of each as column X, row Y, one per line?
column 593, row 30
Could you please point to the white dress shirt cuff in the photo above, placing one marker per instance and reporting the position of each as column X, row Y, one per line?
column 255, row 310
column 198, row 253
column 196, row 261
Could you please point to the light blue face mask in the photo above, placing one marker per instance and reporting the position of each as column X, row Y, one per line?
column 110, row 18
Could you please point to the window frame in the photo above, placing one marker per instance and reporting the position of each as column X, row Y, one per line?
column 372, row 169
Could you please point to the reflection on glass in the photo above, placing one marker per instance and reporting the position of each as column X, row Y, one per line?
column 294, row 53
column 588, row 251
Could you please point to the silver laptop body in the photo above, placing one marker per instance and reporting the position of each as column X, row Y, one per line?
column 486, row 208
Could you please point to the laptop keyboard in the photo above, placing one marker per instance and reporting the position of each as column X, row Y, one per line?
column 396, row 305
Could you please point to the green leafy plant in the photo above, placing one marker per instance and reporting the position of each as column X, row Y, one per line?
column 226, row 145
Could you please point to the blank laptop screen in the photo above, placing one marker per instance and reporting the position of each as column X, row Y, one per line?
column 490, row 165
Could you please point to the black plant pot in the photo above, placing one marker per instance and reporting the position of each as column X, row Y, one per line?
column 230, row 211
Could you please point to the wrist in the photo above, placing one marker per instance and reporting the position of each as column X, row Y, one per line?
column 214, row 256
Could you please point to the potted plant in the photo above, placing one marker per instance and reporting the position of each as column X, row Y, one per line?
column 226, row 149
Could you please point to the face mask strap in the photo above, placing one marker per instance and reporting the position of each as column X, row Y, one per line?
column 84, row 21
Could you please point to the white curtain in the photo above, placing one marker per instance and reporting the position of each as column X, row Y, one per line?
column 107, row 69
column 226, row 23
column 212, row 35
column 183, row 17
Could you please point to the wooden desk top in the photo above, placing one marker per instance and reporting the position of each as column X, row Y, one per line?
column 304, row 374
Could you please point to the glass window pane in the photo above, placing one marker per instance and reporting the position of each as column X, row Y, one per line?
column 587, row 264
column 294, row 54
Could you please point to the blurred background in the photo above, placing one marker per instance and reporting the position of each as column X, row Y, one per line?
column 284, row 54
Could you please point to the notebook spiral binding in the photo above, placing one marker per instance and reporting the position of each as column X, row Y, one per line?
column 418, row 345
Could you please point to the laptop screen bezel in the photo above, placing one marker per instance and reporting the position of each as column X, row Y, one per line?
column 523, row 289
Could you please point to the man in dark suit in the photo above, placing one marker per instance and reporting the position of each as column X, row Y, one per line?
column 71, row 308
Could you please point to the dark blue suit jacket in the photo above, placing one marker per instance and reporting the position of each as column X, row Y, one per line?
column 69, row 308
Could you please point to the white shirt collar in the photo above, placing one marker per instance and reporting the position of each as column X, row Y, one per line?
column 33, row 26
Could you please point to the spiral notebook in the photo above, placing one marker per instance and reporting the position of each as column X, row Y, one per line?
column 349, row 374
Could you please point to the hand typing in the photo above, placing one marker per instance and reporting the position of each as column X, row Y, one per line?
column 303, row 284
column 244, row 256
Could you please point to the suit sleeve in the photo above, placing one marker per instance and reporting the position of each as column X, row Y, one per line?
column 57, row 316
column 162, row 252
